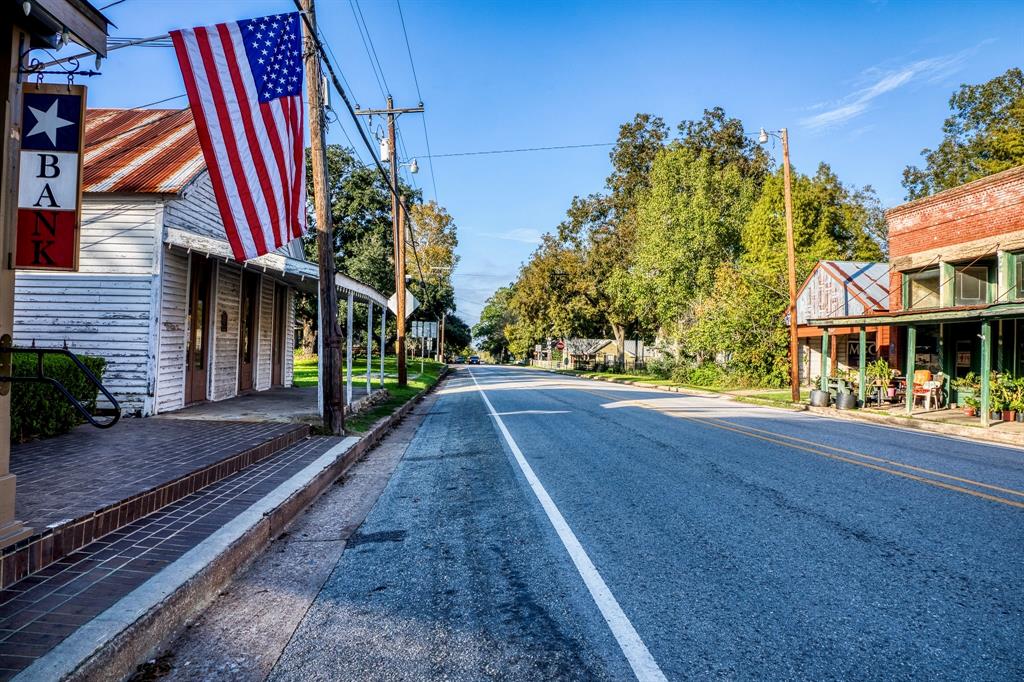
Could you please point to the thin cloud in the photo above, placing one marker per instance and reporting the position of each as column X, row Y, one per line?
column 878, row 81
column 520, row 234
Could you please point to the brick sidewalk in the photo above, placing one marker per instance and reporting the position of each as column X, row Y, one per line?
column 40, row 611
column 88, row 469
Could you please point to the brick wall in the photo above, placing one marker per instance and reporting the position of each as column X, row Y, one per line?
column 986, row 208
column 895, row 290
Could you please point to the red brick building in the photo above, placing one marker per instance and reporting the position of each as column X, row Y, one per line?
column 956, row 294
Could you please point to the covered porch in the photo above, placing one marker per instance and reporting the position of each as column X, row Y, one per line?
column 962, row 364
column 257, row 333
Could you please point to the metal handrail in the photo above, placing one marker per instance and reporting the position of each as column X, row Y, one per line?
column 115, row 413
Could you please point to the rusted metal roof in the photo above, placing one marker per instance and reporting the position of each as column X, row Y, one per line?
column 843, row 288
column 148, row 151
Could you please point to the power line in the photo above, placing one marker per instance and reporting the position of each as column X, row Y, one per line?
column 416, row 80
column 362, row 134
column 522, row 149
column 367, row 43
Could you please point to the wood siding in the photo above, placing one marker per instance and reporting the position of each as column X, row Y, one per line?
column 107, row 316
column 288, row 373
column 105, row 308
column 265, row 336
column 117, row 236
column 227, row 294
column 196, row 210
column 170, row 386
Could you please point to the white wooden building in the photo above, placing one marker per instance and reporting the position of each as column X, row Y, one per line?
column 158, row 293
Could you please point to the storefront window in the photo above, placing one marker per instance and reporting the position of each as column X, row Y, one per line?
column 971, row 285
column 1020, row 275
column 923, row 289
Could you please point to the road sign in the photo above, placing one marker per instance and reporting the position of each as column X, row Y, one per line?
column 560, row 345
column 50, row 180
column 421, row 329
column 410, row 303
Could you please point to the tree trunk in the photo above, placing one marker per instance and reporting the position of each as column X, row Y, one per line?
column 620, row 345
column 308, row 337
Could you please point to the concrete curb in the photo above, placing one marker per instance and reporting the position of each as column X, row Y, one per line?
column 973, row 433
column 969, row 432
column 138, row 626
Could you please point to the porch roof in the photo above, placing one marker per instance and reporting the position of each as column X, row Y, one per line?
column 300, row 273
column 930, row 316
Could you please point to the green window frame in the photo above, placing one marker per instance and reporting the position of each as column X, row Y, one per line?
column 1018, row 276
column 922, row 289
column 971, row 285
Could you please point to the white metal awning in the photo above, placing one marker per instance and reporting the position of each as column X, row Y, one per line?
column 296, row 271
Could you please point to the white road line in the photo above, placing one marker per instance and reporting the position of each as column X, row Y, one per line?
column 644, row 666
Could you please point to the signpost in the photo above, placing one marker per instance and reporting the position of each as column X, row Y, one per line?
column 50, row 178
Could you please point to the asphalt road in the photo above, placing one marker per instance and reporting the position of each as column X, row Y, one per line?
column 541, row 527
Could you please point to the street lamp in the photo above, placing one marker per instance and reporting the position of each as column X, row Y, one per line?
column 794, row 367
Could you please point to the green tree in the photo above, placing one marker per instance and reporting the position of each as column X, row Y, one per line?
column 496, row 316
column 457, row 336
column 602, row 228
column 983, row 135
column 690, row 221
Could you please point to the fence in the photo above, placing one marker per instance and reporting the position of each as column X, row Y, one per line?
column 630, row 365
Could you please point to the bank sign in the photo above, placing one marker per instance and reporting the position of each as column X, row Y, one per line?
column 50, row 180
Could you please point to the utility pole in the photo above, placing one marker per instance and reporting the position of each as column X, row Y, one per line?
column 794, row 348
column 440, row 343
column 330, row 333
column 397, row 226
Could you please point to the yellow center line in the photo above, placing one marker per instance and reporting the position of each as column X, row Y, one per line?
column 816, row 449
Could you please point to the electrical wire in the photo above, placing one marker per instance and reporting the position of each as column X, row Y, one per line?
column 419, row 95
column 360, row 26
column 523, row 149
column 362, row 134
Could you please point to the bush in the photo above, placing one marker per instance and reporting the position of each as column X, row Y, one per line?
column 707, row 374
column 39, row 410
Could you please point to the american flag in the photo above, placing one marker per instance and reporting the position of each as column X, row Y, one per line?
column 244, row 84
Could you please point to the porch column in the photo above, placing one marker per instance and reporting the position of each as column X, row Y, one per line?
column 383, row 325
column 348, row 352
column 823, row 379
column 911, row 357
column 986, row 371
column 369, row 346
column 862, row 375
column 943, row 363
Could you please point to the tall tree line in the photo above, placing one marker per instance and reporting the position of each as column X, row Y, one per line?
column 685, row 244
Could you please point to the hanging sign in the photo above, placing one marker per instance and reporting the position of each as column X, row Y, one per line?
column 50, row 180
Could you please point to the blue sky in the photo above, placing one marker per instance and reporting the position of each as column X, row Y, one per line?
column 862, row 86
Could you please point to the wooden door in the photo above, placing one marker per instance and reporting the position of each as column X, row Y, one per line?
column 247, row 330
column 197, row 352
column 280, row 320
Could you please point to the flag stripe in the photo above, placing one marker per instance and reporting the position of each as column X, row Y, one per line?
column 231, row 141
column 298, row 179
column 271, row 217
column 212, row 164
column 207, row 108
column 244, row 86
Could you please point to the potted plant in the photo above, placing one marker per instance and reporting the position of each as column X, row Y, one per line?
column 1015, row 411
column 971, row 405
column 966, row 386
column 880, row 374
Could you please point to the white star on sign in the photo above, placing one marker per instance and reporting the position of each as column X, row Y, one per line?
column 48, row 122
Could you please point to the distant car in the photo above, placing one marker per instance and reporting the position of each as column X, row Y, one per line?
column 460, row 359
column 474, row 359
column 520, row 363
